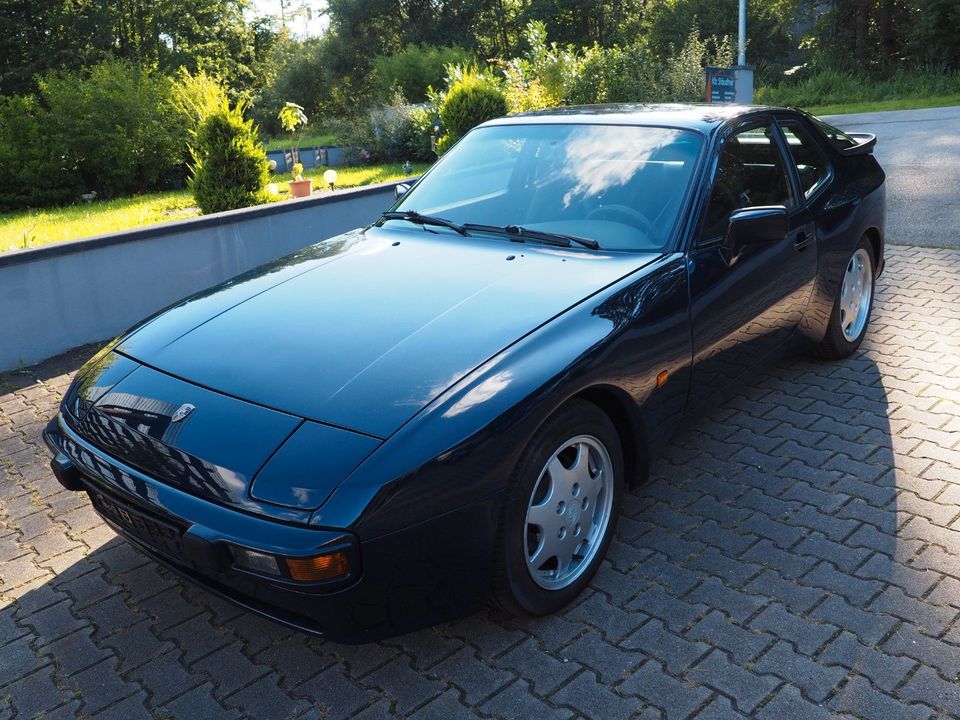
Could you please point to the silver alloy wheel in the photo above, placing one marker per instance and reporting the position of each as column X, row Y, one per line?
column 568, row 512
column 855, row 295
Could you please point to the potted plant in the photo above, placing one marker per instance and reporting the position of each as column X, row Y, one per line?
column 293, row 120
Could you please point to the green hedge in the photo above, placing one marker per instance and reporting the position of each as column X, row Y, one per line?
column 114, row 129
column 472, row 99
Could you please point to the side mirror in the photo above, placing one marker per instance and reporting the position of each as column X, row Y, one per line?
column 756, row 226
column 400, row 190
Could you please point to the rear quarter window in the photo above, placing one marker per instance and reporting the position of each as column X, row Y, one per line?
column 838, row 138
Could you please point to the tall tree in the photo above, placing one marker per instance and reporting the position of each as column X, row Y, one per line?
column 37, row 36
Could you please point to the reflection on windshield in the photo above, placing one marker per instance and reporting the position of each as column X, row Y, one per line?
column 622, row 186
column 593, row 167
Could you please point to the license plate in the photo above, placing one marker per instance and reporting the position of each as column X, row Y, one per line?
column 159, row 536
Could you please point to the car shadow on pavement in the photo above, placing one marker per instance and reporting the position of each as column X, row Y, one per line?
column 766, row 568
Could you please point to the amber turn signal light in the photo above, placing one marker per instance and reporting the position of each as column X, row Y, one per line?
column 662, row 378
column 321, row 567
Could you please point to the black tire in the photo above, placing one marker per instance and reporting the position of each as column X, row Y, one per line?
column 514, row 589
column 835, row 345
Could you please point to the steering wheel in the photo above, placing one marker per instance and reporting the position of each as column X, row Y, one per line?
column 627, row 215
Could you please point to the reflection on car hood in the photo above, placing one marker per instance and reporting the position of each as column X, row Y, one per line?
column 363, row 330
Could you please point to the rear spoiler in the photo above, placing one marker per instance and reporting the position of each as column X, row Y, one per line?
column 864, row 146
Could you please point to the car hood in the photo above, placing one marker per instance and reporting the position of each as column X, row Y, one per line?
column 363, row 330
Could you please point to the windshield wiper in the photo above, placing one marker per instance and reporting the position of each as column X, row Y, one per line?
column 518, row 233
column 420, row 219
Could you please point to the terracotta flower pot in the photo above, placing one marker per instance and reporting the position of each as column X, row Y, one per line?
column 301, row 188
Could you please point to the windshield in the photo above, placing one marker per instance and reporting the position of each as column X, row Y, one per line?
column 619, row 185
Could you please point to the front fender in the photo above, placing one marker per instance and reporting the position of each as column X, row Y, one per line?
column 464, row 446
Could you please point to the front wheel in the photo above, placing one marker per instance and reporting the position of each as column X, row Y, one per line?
column 560, row 511
column 852, row 307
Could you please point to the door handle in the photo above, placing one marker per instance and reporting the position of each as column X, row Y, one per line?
column 802, row 240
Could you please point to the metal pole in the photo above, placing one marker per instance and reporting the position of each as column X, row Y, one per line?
column 742, row 54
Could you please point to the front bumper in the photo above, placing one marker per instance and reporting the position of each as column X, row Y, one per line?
column 432, row 572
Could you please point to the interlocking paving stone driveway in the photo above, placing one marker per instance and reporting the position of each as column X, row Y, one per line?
column 795, row 555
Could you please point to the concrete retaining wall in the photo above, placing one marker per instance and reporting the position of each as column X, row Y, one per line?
column 59, row 296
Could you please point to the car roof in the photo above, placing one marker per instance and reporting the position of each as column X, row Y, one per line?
column 702, row 117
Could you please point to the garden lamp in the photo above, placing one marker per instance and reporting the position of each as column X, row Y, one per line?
column 330, row 177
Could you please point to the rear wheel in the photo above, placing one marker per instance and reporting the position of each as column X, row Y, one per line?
column 560, row 512
column 852, row 307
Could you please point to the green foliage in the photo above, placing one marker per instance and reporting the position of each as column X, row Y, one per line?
column 40, row 36
column 838, row 87
column 230, row 166
column 550, row 75
column 194, row 96
column 683, row 79
column 318, row 79
column 770, row 26
column 416, row 68
column 397, row 132
column 33, row 174
column 933, row 36
column 304, row 78
column 115, row 126
column 474, row 97
column 588, row 22
column 291, row 117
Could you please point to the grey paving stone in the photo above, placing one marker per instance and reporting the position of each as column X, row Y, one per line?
column 130, row 708
column 654, row 686
column 18, row 659
column 798, row 598
column 400, row 682
column 884, row 670
column 544, row 672
column 734, row 603
column 806, row 636
column 859, row 697
column 197, row 703
column 614, row 622
column 677, row 614
column 655, row 640
column 166, row 677
column 101, row 686
column 590, row 698
column 747, row 689
column 932, row 619
column 73, row 652
column 909, row 641
column 870, row 627
column 518, row 702
column 742, row 643
column 34, row 694
column 926, row 686
column 789, row 703
column 816, row 680
column 264, row 699
column 475, row 678
column 335, row 694
column 858, row 592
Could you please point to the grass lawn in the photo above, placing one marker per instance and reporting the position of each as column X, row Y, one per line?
column 30, row 228
column 282, row 142
column 878, row 105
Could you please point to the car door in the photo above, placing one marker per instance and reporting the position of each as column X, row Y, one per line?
column 745, row 306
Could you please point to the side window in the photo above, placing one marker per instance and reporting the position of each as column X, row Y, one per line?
column 812, row 167
column 750, row 172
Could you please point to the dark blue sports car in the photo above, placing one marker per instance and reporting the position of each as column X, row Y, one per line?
column 392, row 426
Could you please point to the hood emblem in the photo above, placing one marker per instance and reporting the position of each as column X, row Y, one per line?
column 182, row 412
